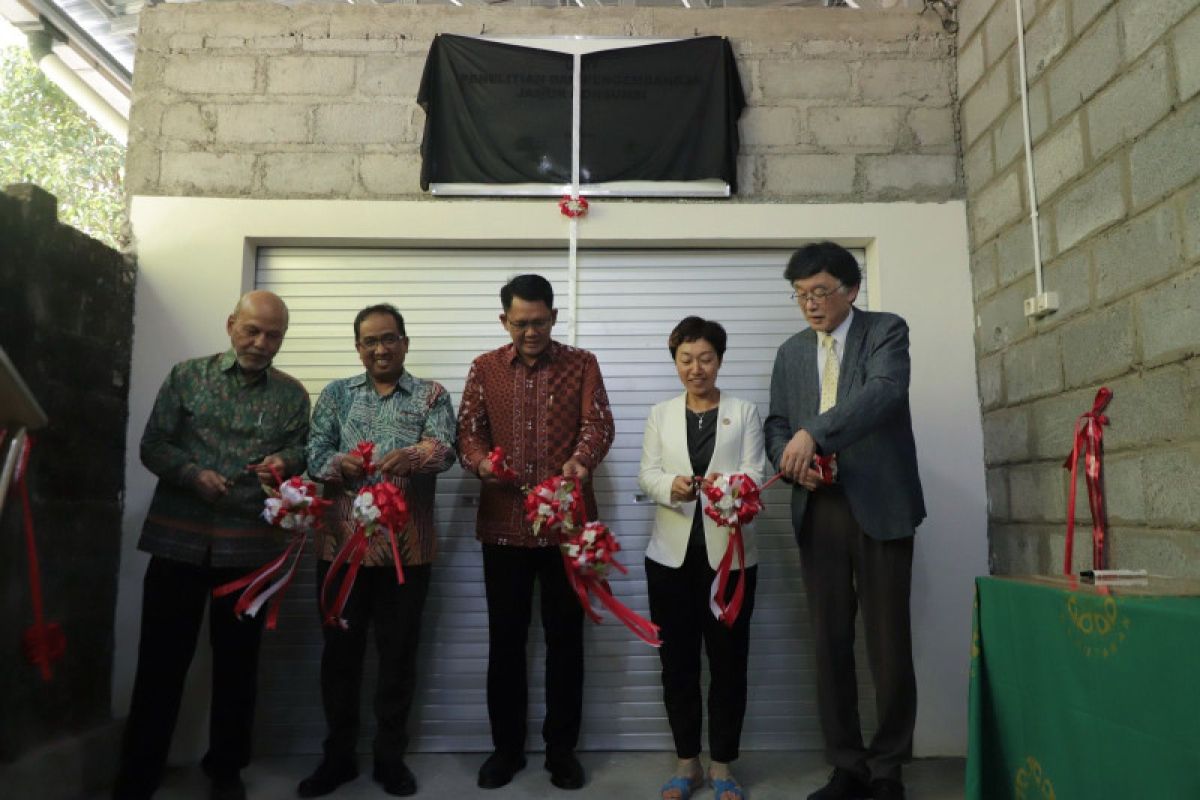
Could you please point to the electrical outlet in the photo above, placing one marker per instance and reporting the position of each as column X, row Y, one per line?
column 1040, row 305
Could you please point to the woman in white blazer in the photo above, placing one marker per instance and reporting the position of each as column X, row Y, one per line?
column 697, row 435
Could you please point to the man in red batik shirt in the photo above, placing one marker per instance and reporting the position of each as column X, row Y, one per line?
column 545, row 404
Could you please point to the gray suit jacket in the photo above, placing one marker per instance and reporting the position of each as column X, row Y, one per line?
column 870, row 427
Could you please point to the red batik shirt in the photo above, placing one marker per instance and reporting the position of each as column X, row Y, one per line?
column 542, row 416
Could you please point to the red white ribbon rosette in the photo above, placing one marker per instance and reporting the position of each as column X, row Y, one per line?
column 556, row 505
column 365, row 451
column 573, row 207
column 1089, row 441
column 378, row 509
column 733, row 501
column 294, row 506
column 826, row 468
column 500, row 467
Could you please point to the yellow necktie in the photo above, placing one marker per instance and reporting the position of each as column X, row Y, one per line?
column 829, row 380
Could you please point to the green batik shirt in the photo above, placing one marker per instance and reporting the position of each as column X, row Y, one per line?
column 209, row 416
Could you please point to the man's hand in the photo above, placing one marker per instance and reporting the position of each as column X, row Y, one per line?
column 682, row 489
column 486, row 473
column 576, row 470
column 351, row 467
column 263, row 469
column 396, row 463
column 797, row 458
column 210, row 485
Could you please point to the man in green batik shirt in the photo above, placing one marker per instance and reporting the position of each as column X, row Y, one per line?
column 220, row 426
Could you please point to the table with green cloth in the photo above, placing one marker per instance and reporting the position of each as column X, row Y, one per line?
column 1079, row 691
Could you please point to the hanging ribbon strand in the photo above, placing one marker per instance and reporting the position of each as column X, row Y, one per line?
column 378, row 509
column 733, row 501
column 1089, row 441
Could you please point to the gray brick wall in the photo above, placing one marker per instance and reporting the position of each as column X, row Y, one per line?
column 261, row 100
column 1116, row 124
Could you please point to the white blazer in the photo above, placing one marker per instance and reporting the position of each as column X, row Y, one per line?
column 738, row 448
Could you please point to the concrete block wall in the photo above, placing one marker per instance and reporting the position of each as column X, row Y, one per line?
column 239, row 99
column 1115, row 115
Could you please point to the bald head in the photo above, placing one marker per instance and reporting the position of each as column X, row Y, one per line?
column 256, row 328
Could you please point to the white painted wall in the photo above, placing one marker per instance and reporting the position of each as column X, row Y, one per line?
column 197, row 255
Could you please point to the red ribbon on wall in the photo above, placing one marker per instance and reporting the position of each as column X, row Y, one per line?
column 43, row 642
column 1089, row 440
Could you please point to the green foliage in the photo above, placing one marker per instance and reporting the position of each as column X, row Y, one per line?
column 48, row 140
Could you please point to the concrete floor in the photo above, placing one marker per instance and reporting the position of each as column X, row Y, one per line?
column 610, row 776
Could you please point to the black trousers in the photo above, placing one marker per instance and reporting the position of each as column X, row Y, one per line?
column 679, row 606
column 395, row 611
column 844, row 569
column 174, row 596
column 509, row 574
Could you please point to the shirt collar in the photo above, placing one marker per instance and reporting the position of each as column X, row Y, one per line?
column 227, row 363
column 405, row 383
column 549, row 354
column 840, row 333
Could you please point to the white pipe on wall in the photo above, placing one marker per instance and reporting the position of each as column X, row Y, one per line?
column 1025, row 129
column 74, row 87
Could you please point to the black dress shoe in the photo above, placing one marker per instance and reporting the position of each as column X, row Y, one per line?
column 227, row 787
column 396, row 778
column 327, row 777
column 565, row 770
column 887, row 789
column 843, row 785
column 499, row 769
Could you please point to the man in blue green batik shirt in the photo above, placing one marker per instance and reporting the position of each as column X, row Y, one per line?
column 220, row 426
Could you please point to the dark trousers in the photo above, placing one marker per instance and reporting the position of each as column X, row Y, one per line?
column 395, row 611
column 679, row 606
column 174, row 596
column 843, row 569
column 509, row 574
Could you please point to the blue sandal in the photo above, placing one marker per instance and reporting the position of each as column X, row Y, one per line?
column 720, row 787
column 684, row 785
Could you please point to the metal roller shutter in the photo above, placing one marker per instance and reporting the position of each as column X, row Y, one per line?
column 628, row 301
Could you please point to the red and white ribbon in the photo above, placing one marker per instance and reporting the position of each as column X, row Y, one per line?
column 733, row 501
column 380, row 508
column 1089, row 441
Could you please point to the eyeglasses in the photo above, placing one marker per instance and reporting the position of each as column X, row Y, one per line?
column 819, row 294
column 538, row 325
column 387, row 340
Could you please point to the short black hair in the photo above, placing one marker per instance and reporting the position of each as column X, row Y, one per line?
column 379, row 308
column 693, row 329
column 530, row 288
column 813, row 259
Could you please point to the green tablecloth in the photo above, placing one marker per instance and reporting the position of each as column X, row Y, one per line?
column 1078, row 694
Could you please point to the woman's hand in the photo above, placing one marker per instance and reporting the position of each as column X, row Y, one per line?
column 682, row 489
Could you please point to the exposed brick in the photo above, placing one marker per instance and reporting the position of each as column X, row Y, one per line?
column 855, row 129
column 395, row 76
column 1130, row 105
column 347, row 124
column 1150, row 408
column 1171, row 319
column 1000, row 31
column 1167, row 157
column 1058, row 158
column 1046, row 38
column 983, row 270
column 1144, row 22
column 1005, row 436
column 1124, row 490
column 996, row 206
column 932, row 127
column 1171, row 480
column 318, row 75
column 262, row 123
column 1088, row 65
column 224, row 42
column 1009, row 137
column 184, row 121
column 1139, row 252
column 764, row 126
column 991, row 381
column 1071, row 277
column 350, row 45
column 809, row 175
column 1186, row 45
column 1033, row 368
column 991, row 97
column 387, row 175
column 978, row 165
column 804, row 78
column 905, row 82
column 1191, row 224
column 1162, row 552
column 1099, row 345
column 997, row 493
column 970, row 66
column 1014, row 253
column 318, row 174
column 1002, row 316
column 1083, row 12
column 971, row 14
column 206, row 173
column 211, row 74
column 1053, row 422
column 911, row 176
column 1088, row 206
column 186, row 41
column 1037, row 493
column 1031, row 549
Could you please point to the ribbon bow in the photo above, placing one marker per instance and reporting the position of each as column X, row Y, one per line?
column 1089, row 439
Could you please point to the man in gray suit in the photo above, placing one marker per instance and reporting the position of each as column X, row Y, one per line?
column 841, row 388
